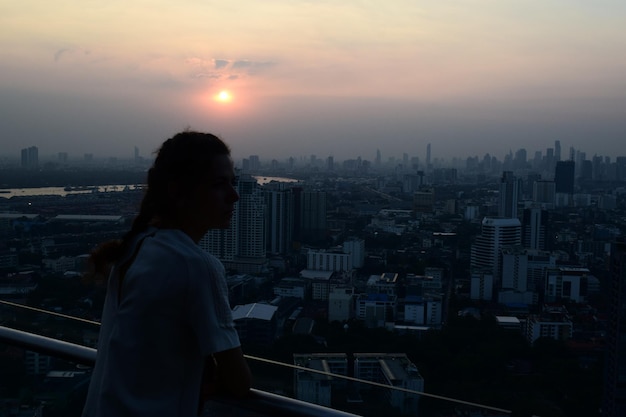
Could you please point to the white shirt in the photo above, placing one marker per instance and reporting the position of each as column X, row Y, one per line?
column 172, row 313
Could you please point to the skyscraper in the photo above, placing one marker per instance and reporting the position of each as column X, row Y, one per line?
column 496, row 234
column 535, row 228
column 311, row 216
column 557, row 150
column 544, row 192
column 615, row 365
column 428, row 157
column 251, row 218
column 564, row 177
column 509, row 193
column 279, row 223
column 550, row 159
column 30, row 157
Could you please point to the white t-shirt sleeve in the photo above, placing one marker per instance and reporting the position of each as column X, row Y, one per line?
column 208, row 307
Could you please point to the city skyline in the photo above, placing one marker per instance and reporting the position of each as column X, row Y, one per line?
column 304, row 78
column 549, row 156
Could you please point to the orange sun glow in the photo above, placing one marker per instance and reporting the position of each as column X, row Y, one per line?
column 223, row 96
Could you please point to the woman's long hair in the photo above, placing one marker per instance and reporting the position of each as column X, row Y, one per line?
column 183, row 160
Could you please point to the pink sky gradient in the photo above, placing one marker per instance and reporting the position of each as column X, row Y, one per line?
column 323, row 77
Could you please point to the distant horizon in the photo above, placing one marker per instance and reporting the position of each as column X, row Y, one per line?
column 79, row 158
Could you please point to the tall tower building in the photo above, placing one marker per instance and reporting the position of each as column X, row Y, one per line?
column 496, row 234
column 279, row 223
column 509, row 194
column 564, row 177
column 550, row 159
column 428, row 167
column 544, row 192
column 535, row 228
column 30, row 157
column 615, row 364
column 330, row 163
column 251, row 218
column 355, row 247
column 557, row 150
column 311, row 215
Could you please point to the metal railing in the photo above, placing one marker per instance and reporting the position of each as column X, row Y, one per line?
column 258, row 401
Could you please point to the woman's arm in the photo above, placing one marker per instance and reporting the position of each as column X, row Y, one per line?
column 233, row 375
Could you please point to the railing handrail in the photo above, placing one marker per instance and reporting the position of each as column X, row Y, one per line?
column 259, row 401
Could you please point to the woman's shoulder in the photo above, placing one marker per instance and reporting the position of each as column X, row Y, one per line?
column 174, row 242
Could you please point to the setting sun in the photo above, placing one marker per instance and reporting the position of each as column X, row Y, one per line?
column 223, row 96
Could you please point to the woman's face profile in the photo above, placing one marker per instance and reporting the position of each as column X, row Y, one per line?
column 211, row 203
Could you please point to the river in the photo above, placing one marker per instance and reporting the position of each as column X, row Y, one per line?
column 63, row 191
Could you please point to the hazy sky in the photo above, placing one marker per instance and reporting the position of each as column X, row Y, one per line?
column 340, row 78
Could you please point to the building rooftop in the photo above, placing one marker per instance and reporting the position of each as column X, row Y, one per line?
column 254, row 311
column 87, row 218
column 13, row 216
column 507, row 320
column 313, row 274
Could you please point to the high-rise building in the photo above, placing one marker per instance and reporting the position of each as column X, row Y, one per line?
column 279, row 221
column 620, row 168
column 557, row 150
column 550, row 159
column 251, row 218
column 564, row 177
column 424, row 200
column 355, row 247
column 486, row 252
column 586, row 170
column 514, row 269
column 30, row 157
column 310, row 207
column 428, row 157
column 509, row 194
column 615, row 365
column 520, row 160
column 535, row 228
column 544, row 192
column 251, row 164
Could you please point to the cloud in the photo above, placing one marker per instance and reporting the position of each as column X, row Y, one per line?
column 252, row 65
column 58, row 54
column 210, row 75
column 69, row 51
column 220, row 68
column 242, row 64
column 220, row 63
